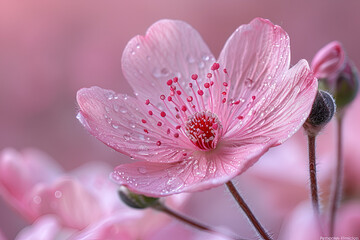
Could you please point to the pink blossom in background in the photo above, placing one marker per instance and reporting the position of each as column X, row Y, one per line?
column 83, row 204
column 2, row 236
column 329, row 61
column 302, row 225
column 336, row 73
column 202, row 127
column 20, row 172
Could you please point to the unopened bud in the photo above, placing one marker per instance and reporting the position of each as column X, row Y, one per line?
column 336, row 73
column 134, row 200
column 322, row 111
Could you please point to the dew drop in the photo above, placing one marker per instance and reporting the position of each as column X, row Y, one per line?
column 132, row 52
column 212, row 169
column 37, row 199
column 190, row 59
column 142, row 170
column 164, row 71
column 123, row 110
column 127, row 137
column 58, row 194
column 249, row 82
column 116, row 176
column 206, row 57
column 115, row 126
column 138, row 46
column 170, row 181
column 158, row 73
column 201, row 64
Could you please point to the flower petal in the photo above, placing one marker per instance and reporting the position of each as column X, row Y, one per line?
column 198, row 172
column 253, row 54
column 45, row 228
column 118, row 121
column 280, row 111
column 68, row 200
column 20, row 172
column 169, row 49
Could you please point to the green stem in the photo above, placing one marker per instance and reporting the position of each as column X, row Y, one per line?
column 336, row 196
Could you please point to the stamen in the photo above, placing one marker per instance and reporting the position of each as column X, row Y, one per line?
column 185, row 111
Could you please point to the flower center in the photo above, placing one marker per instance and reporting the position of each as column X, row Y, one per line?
column 203, row 128
column 187, row 112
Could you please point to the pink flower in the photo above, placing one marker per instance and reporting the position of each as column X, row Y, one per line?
column 2, row 236
column 195, row 123
column 302, row 225
column 329, row 61
column 336, row 72
column 83, row 204
column 20, row 172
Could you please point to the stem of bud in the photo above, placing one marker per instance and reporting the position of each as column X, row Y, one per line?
column 336, row 195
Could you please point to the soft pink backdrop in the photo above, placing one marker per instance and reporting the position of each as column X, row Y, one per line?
column 50, row 49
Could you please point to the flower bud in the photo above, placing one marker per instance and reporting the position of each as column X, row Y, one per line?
column 322, row 111
column 336, row 73
column 134, row 200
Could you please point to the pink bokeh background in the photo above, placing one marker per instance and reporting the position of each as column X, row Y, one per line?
column 51, row 49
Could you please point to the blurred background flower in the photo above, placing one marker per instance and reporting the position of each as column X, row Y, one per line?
column 50, row 49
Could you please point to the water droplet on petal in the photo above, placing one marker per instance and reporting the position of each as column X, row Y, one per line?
column 249, row 82
column 201, row 64
column 170, row 181
column 206, row 57
column 127, row 137
column 158, row 73
column 190, row 59
column 212, row 168
column 58, row 194
column 37, row 199
column 164, row 71
column 142, row 170
column 123, row 110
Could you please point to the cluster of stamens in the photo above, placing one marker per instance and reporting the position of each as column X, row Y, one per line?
column 191, row 112
column 203, row 129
